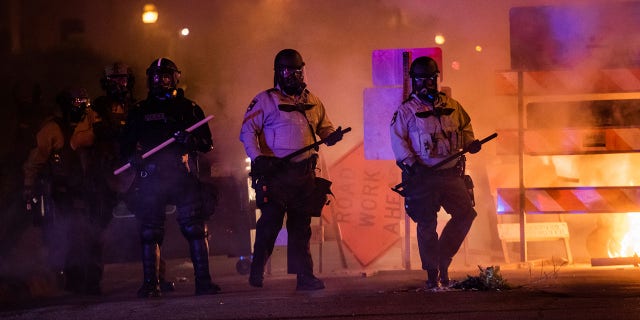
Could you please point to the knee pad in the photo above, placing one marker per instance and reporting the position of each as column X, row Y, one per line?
column 150, row 234
column 194, row 231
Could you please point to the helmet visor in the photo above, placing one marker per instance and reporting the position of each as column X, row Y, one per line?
column 163, row 80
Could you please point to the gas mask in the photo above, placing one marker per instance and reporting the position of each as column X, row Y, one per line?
column 291, row 80
column 162, row 79
column 426, row 88
column 79, row 106
column 289, row 72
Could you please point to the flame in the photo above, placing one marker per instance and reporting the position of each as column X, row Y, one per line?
column 629, row 244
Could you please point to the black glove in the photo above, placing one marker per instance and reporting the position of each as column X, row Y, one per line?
column 334, row 137
column 186, row 139
column 407, row 169
column 136, row 161
column 265, row 165
column 474, row 146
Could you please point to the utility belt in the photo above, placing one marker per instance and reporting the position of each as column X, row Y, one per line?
column 167, row 165
column 298, row 175
column 304, row 166
column 457, row 170
column 449, row 172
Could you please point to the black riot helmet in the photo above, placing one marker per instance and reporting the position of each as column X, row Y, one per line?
column 162, row 78
column 289, row 72
column 73, row 103
column 424, row 78
column 118, row 81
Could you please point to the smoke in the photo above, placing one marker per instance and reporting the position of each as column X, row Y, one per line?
column 228, row 58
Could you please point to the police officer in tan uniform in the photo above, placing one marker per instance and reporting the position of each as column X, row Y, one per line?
column 279, row 121
column 428, row 127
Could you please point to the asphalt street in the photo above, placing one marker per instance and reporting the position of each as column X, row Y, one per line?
column 536, row 292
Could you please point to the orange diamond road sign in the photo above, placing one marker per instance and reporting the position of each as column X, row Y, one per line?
column 368, row 213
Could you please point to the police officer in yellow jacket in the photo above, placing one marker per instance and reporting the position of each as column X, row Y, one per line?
column 428, row 127
column 279, row 121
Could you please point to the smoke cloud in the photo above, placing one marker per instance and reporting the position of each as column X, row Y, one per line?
column 228, row 58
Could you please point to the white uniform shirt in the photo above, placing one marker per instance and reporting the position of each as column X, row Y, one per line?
column 267, row 130
column 431, row 139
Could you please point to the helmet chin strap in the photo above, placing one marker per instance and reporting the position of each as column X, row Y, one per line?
column 161, row 94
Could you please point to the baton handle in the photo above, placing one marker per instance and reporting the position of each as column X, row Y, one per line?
column 311, row 146
column 164, row 144
column 399, row 187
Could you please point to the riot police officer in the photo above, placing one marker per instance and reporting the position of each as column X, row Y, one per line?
column 96, row 139
column 108, row 112
column 426, row 128
column 278, row 122
column 169, row 176
column 53, row 190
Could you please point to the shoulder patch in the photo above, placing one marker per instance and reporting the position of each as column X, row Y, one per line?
column 252, row 104
column 393, row 120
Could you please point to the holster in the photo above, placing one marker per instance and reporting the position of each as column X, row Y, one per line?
column 468, row 182
column 319, row 196
column 259, row 184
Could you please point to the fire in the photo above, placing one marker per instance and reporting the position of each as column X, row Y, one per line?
column 629, row 244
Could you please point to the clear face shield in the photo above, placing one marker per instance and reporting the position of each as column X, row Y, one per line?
column 163, row 80
column 163, row 84
column 118, row 86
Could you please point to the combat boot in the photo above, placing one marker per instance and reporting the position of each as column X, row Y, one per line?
column 308, row 282
column 432, row 282
column 165, row 285
column 200, row 258
column 256, row 274
column 149, row 289
column 444, row 277
column 150, row 268
column 444, row 272
column 206, row 287
column 256, row 278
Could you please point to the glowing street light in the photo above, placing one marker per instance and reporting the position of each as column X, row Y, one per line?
column 149, row 14
column 439, row 39
column 184, row 32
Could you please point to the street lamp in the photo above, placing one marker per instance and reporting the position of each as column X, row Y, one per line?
column 149, row 13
